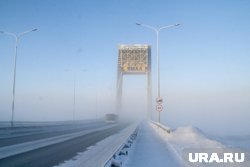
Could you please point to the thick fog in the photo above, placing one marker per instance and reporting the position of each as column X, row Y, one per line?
column 215, row 111
column 204, row 63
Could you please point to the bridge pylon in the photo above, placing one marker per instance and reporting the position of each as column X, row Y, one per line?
column 134, row 60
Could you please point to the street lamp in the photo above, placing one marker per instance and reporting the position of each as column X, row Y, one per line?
column 17, row 38
column 74, row 108
column 157, row 31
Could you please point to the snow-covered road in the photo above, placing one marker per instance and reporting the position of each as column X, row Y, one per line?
column 150, row 150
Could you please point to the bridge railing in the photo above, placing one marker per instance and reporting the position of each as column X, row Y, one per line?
column 163, row 127
column 123, row 142
column 117, row 148
column 104, row 155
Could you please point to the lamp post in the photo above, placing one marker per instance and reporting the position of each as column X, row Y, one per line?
column 17, row 38
column 157, row 31
column 74, row 108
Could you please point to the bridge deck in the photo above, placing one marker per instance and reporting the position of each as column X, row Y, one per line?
column 150, row 150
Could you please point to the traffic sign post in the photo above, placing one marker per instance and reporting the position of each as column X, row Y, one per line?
column 159, row 107
column 159, row 100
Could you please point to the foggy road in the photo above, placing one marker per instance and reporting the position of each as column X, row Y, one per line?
column 66, row 141
column 10, row 136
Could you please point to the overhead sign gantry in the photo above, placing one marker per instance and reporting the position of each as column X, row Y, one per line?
column 134, row 60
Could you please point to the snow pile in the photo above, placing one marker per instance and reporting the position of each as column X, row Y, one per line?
column 185, row 138
column 191, row 137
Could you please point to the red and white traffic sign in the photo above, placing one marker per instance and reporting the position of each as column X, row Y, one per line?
column 159, row 107
column 159, row 100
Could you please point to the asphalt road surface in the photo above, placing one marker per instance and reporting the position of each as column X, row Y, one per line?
column 57, row 153
column 10, row 136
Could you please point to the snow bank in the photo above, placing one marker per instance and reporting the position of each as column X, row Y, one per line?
column 186, row 138
column 191, row 137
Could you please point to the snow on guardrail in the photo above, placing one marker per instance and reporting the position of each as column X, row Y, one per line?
column 120, row 155
column 163, row 127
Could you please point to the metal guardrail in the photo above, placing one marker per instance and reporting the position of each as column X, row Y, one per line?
column 127, row 140
column 102, row 155
column 163, row 127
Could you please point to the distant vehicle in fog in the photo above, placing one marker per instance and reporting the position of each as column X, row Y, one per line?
column 111, row 118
